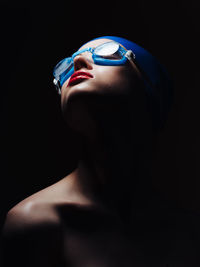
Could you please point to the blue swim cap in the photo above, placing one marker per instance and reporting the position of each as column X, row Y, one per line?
column 159, row 85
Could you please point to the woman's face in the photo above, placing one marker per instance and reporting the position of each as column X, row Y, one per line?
column 114, row 81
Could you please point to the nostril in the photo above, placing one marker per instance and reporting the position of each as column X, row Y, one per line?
column 81, row 62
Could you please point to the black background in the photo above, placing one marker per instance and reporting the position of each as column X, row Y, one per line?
column 34, row 145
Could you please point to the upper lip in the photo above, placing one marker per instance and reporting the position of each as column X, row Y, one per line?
column 83, row 73
column 78, row 76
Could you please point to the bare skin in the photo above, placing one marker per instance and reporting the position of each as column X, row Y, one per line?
column 89, row 217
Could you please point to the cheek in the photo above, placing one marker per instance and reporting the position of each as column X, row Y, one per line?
column 112, row 79
column 113, row 83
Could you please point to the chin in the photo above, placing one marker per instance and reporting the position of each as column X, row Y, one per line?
column 75, row 107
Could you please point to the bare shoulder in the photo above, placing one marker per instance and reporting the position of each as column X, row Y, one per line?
column 29, row 216
column 32, row 231
column 36, row 211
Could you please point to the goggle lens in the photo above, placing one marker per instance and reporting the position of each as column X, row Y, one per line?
column 63, row 66
column 107, row 49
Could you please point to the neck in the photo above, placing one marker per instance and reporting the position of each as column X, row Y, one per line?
column 108, row 169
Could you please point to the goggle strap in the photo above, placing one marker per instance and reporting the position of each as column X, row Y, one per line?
column 57, row 85
column 130, row 55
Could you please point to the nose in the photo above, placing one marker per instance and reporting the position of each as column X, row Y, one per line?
column 81, row 62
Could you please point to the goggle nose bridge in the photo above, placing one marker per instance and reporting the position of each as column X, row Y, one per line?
column 89, row 49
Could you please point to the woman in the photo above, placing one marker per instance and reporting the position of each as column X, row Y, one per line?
column 115, row 97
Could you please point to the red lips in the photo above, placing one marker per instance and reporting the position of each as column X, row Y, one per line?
column 79, row 76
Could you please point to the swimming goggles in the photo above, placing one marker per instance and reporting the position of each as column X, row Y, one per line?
column 109, row 54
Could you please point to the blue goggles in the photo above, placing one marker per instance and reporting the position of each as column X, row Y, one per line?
column 109, row 54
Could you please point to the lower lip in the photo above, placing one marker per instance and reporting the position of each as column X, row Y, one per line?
column 78, row 79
